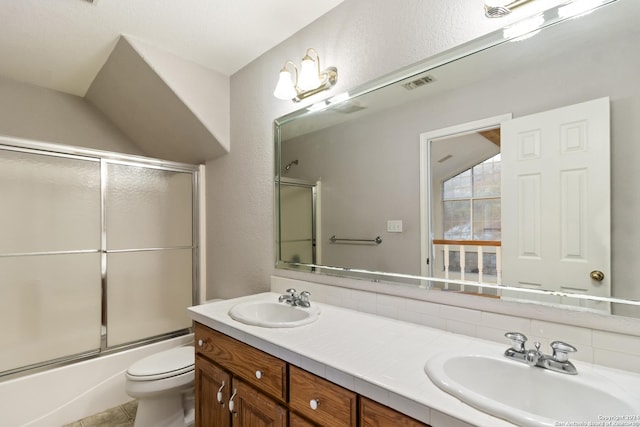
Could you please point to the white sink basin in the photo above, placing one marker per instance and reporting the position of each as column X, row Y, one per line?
column 273, row 314
column 531, row 396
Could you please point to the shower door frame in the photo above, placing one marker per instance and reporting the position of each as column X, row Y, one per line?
column 104, row 158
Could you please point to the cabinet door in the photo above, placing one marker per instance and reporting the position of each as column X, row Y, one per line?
column 254, row 409
column 373, row 414
column 210, row 379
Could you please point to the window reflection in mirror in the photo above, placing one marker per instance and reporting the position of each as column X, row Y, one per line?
column 465, row 192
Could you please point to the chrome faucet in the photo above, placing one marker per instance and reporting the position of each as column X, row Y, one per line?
column 292, row 298
column 558, row 361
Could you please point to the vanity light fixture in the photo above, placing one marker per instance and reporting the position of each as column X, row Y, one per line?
column 500, row 8
column 308, row 82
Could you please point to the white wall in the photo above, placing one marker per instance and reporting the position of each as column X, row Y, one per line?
column 172, row 108
column 36, row 113
column 364, row 39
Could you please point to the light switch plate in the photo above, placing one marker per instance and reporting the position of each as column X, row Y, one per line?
column 394, row 226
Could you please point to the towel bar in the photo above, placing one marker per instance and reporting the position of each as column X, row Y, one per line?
column 376, row 241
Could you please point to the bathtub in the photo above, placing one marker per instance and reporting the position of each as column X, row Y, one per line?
column 62, row 395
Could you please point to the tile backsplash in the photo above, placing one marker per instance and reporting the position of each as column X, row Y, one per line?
column 604, row 348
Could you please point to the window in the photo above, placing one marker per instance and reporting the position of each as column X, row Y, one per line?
column 471, row 203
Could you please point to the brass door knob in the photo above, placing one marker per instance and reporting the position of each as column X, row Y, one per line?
column 597, row 275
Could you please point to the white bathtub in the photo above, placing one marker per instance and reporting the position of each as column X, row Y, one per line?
column 62, row 395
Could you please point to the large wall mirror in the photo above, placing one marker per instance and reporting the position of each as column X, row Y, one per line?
column 505, row 168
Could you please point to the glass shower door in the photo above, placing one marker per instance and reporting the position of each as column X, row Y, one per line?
column 98, row 252
column 50, row 281
column 149, row 249
column 297, row 223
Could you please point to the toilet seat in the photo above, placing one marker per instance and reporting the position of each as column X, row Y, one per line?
column 169, row 363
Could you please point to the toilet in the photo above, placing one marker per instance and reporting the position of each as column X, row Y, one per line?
column 163, row 383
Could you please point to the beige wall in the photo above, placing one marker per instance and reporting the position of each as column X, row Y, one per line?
column 364, row 39
column 36, row 113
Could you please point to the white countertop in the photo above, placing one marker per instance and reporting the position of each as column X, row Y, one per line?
column 377, row 357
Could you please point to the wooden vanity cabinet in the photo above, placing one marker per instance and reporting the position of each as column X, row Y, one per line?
column 209, row 380
column 321, row 401
column 252, row 408
column 261, row 370
column 373, row 414
column 296, row 420
column 262, row 390
column 252, row 384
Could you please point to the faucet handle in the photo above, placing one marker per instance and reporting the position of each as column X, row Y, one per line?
column 561, row 351
column 304, row 296
column 291, row 291
column 517, row 340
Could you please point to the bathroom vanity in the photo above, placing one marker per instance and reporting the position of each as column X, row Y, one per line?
column 237, row 384
column 347, row 368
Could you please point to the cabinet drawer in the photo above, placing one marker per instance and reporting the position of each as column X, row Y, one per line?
column 335, row 405
column 373, row 414
column 263, row 371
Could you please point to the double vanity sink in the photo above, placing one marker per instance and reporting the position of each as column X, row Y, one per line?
column 439, row 371
column 287, row 311
column 529, row 396
column 273, row 314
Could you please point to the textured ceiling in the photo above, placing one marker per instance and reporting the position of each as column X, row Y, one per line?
column 61, row 44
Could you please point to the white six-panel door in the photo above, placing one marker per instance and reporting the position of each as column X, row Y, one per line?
column 556, row 203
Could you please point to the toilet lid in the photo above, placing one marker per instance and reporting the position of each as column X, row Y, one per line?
column 167, row 363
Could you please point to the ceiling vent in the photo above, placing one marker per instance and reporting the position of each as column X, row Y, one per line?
column 418, row 82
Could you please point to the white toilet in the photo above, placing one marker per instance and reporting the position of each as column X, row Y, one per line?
column 163, row 383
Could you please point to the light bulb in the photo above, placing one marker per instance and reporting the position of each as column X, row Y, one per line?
column 285, row 89
column 309, row 78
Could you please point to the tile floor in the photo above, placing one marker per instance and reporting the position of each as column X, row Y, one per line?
column 120, row 416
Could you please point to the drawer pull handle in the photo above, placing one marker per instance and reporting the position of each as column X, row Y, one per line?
column 314, row 403
column 219, row 395
column 232, row 404
column 200, row 343
column 258, row 374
